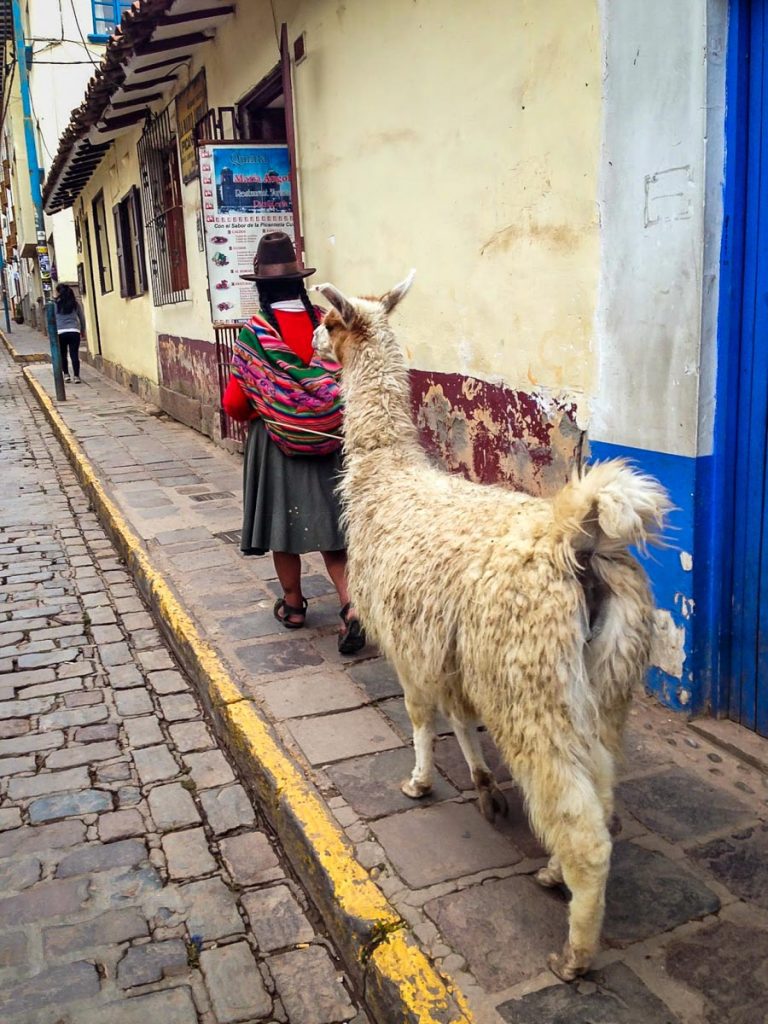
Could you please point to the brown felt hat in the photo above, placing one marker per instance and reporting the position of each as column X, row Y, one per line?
column 276, row 257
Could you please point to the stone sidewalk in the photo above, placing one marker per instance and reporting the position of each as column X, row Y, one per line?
column 686, row 934
column 26, row 344
column 137, row 880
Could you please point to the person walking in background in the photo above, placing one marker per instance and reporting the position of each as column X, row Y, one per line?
column 70, row 326
column 292, row 401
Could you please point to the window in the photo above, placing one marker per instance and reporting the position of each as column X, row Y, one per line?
column 106, row 16
column 129, row 242
column 163, row 211
column 262, row 112
column 102, row 243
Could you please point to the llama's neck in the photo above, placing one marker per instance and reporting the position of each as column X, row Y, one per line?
column 377, row 401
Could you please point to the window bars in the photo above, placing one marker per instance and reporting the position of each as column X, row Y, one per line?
column 161, row 200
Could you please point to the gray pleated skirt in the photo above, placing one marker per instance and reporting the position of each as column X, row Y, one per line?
column 289, row 504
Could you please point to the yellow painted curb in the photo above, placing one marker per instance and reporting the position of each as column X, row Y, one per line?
column 18, row 357
column 399, row 982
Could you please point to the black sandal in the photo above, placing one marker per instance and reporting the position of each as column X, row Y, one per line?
column 281, row 605
column 352, row 639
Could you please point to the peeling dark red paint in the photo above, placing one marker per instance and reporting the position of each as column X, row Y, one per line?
column 188, row 365
column 493, row 434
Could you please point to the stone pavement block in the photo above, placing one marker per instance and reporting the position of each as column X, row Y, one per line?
column 179, row 707
column 69, row 805
column 504, row 929
column 187, row 854
column 14, row 765
column 377, row 678
column 156, row 661
column 211, row 910
column 58, row 687
column 120, row 825
column 57, row 836
column 155, row 764
column 13, row 949
column 86, row 860
column 276, row 918
column 31, row 744
column 134, row 621
column 145, row 964
column 347, row 734
column 134, row 702
column 16, row 875
column 726, row 962
column 167, row 682
column 124, row 677
column 310, row 987
column 278, row 656
column 115, row 654
column 209, row 768
column 128, row 796
column 648, row 894
column 22, row 708
column 371, row 784
column 109, row 634
column 34, row 677
column 172, row 807
column 107, row 929
column 679, row 805
column 75, row 716
column 94, row 733
column 256, row 624
column 234, row 984
column 12, row 727
column 118, row 771
column 191, row 736
column 85, row 754
column 47, row 658
column 739, row 862
column 143, row 732
column 614, row 995
column 250, row 859
column 10, row 817
column 169, row 1006
column 467, row 843
column 298, row 696
column 103, row 616
column 51, row 987
column 227, row 808
column 47, row 899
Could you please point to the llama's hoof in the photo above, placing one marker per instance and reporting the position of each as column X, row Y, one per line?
column 415, row 790
column 492, row 802
column 549, row 878
column 614, row 825
column 568, row 965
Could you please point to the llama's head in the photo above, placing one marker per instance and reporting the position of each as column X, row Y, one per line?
column 354, row 322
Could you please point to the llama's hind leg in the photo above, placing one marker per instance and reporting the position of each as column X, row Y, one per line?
column 490, row 798
column 422, row 715
column 568, row 814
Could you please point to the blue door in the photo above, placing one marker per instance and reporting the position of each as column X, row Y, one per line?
column 746, row 660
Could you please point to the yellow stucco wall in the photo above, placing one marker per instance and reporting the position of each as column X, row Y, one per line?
column 461, row 139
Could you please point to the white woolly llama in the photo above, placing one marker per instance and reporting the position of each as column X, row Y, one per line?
column 526, row 614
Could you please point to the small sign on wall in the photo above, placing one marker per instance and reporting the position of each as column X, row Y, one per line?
column 191, row 105
column 246, row 191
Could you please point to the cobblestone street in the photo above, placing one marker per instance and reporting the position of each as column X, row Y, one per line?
column 137, row 881
column 686, row 932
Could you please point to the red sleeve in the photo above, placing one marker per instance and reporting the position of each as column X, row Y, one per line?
column 235, row 402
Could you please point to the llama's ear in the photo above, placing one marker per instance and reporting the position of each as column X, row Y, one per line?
column 340, row 303
column 395, row 296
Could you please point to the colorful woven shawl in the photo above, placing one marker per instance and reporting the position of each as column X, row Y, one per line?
column 298, row 403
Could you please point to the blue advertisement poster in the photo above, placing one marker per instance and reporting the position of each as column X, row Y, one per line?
column 246, row 191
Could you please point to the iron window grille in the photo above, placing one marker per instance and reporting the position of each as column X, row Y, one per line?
column 161, row 201
column 102, row 243
column 129, row 243
column 107, row 15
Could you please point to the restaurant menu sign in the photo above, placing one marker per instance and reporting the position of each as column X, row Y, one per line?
column 191, row 106
column 246, row 191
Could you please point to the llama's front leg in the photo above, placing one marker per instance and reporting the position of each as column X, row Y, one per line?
column 422, row 717
column 491, row 799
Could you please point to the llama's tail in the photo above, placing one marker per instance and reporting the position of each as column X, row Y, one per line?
column 607, row 507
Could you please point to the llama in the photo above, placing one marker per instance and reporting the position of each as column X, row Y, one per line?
column 528, row 615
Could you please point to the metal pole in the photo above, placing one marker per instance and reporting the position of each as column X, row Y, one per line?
column 6, row 307
column 43, row 258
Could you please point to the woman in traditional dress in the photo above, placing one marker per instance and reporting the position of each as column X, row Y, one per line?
column 293, row 403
